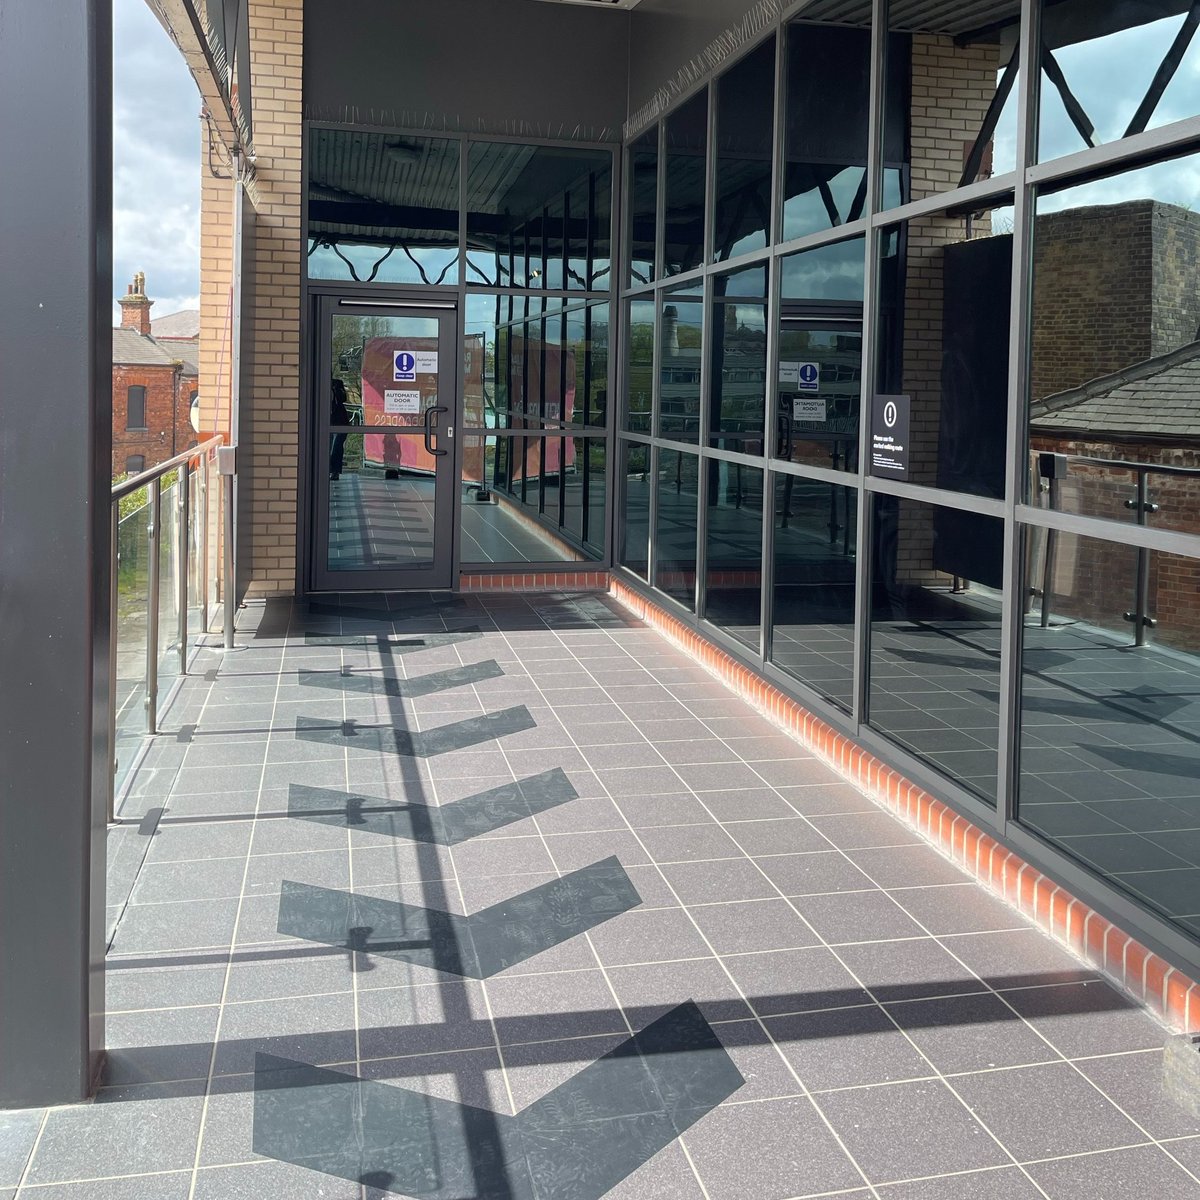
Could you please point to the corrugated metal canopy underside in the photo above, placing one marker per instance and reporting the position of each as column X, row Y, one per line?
column 953, row 17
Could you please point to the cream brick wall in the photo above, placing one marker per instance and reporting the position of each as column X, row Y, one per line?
column 271, row 353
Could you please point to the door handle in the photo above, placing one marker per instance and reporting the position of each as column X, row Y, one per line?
column 430, row 448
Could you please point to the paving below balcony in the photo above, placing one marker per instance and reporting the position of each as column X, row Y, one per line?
column 506, row 897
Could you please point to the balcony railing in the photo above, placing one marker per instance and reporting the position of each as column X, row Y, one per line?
column 166, row 582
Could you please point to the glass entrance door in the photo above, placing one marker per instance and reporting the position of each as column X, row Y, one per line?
column 384, row 462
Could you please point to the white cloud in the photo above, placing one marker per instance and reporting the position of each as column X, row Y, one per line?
column 156, row 162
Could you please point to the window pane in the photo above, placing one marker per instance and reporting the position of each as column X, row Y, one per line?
column 633, row 525
column 135, row 407
column 745, row 138
column 828, row 107
column 675, row 533
column 819, row 385
column 518, row 234
column 643, row 205
column 739, row 358
column 681, row 330
column 816, row 532
column 935, row 637
column 945, row 286
column 1112, row 68
column 1115, row 367
column 952, row 92
column 382, row 208
column 1110, row 767
column 521, row 494
column 639, row 376
column 687, row 148
column 733, row 532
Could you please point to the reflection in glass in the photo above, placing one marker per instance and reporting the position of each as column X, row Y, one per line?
column 382, row 208
column 934, row 664
column 819, row 385
column 534, row 364
column 633, row 536
column 681, row 348
column 643, row 206
column 745, row 136
column 739, row 358
column 677, row 483
column 381, row 508
column 1112, row 68
column 639, row 375
column 532, row 499
column 945, row 286
column 952, row 90
column 539, row 216
column 816, row 532
column 1110, row 735
column 733, row 534
column 1115, row 364
column 825, row 145
column 687, row 148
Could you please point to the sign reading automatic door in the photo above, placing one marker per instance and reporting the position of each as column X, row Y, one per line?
column 889, row 436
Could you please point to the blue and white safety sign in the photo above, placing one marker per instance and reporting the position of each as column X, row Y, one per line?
column 408, row 364
column 810, row 377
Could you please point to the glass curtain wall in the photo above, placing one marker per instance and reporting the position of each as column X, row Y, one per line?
column 911, row 413
column 533, row 279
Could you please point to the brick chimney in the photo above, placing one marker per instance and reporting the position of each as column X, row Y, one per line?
column 135, row 308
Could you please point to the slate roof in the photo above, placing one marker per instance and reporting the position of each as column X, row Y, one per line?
column 183, row 324
column 1158, row 398
column 131, row 349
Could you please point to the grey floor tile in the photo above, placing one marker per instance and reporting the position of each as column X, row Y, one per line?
column 126, row 1131
column 667, row 1176
column 1117, row 1175
column 516, row 856
column 654, row 935
column 646, row 992
column 911, row 970
column 830, row 797
column 907, row 866
column 205, row 879
column 141, row 982
column 1045, row 1111
column 958, row 908
column 1003, row 1183
column 161, row 1185
column 857, row 917
column 718, row 882
column 747, row 804
column 155, row 1047
column 795, row 1154
column 18, row 1132
column 847, row 1047
column 309, row 971
column 150, row 928
column 1018, row 958
column 689, row 843
column 280, row 1181
column 929, row 1131
column 815, row 873
column 746, row 926
column 787, row 981
column 1134, row 1082
column 424, row 1019
column 677, row 808
column 1078, row 1017
column 866, row 830
column 180, row 842
column 543, row 1008
column 266, row 873
column 315, row 1029
column 570, row 851
column 971, row 1033
column 787, row 836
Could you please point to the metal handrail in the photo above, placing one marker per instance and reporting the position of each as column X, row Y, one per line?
column 128, row 486
column 201, row 455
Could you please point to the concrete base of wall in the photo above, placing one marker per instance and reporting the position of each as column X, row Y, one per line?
column 1166, row 991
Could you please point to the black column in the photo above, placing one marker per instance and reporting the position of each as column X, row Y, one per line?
column 55, row 459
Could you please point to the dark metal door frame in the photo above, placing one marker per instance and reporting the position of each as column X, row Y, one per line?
column 438, row 432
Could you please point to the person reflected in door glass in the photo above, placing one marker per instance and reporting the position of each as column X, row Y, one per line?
column 339, row 414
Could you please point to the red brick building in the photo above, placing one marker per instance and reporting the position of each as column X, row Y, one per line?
column 155, row 376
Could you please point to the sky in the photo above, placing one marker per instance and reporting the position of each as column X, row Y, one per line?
column 156, row 163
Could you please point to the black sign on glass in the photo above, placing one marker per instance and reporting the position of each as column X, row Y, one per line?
column 889, row 437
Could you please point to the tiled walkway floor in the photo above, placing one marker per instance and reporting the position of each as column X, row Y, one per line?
column 696, row 964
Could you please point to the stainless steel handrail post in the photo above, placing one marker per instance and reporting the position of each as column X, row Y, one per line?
column 115, row 560
column 155, row 573
column 204, row 546
column 229, row 588
column 183, row 570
